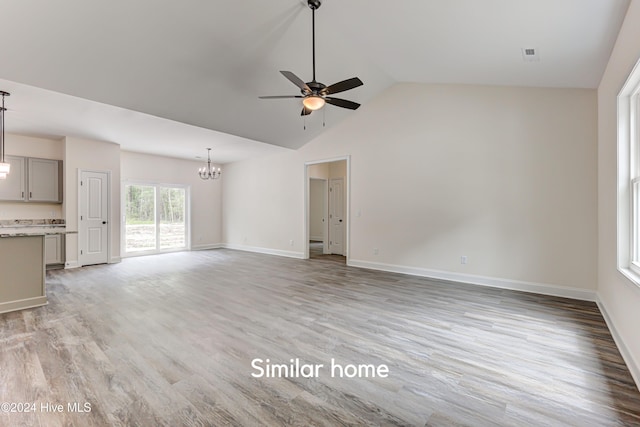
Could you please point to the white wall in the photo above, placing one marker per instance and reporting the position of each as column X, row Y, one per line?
column 503, row 175
column 262, row 204
column 97, row 156
column 619, row 298
column 206, row 196
column 27, row 146
column 338, row 170
column 320, row 171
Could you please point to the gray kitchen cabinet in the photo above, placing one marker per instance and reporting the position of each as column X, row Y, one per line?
column 13, row 187
column 44, row 180
column 32, row 180
column 53, row 249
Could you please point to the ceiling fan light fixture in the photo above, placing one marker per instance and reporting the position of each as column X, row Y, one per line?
column 313, row 102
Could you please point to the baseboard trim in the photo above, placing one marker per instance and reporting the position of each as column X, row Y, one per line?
column 493, row 282
column 206, row 247
column 23, row 304
column 115, row 260
column 71, row 264
column 267, row 251
column 627, row 355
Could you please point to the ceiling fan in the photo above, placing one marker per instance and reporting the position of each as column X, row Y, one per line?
column 315, row 94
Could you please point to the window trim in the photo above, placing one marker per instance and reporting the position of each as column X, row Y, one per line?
column 628, row 155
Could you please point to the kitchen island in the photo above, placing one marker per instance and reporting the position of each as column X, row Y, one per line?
column 22, row 266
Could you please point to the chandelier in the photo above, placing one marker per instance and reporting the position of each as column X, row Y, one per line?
column 4, row 166
column 209, row 172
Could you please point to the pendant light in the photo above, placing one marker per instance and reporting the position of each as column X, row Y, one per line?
column 4, row 166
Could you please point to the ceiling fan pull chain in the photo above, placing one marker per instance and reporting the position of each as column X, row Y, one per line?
column 324, row 116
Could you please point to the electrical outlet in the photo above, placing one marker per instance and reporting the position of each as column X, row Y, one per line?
column 375, row 251
column 290, row 242
column 463, row 259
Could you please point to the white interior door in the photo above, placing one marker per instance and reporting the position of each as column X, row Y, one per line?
column 93, row 231
column 336, row 216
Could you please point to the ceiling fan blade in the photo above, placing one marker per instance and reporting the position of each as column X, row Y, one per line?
column 280, row 97
column 342, row 103
column 344, row 85
column 305, row 111
column 296, row 80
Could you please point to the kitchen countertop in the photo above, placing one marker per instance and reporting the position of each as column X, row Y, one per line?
column 34, row 231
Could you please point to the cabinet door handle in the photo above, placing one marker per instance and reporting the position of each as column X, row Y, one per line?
column 30, row 194
column 22, row 195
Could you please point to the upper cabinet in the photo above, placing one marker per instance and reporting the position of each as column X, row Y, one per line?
column 32, row 180
column 12, row 188
column 44, row 180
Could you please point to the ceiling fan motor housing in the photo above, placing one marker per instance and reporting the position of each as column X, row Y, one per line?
column 317, row 88
column 314, row 4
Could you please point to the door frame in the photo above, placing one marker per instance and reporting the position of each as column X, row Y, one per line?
column 347, row 207
column 109, row 215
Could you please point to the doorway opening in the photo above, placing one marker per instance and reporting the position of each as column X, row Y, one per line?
column 326, row 210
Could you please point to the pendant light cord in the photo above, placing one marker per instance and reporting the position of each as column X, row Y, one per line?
column 2, row 126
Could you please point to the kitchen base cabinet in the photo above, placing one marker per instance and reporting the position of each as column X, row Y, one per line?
column 54, row 251
column 23, row 273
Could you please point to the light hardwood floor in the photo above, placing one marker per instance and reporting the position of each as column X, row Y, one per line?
column 168, row 341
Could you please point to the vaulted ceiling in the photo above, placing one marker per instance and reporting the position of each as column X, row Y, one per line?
column 174, row 77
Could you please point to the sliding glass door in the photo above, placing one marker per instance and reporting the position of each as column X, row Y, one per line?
column 171, row 217
column 140, row 215
column 156, row 218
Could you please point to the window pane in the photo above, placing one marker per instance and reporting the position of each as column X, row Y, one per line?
column 140, row 217
column 172, row 218
column 635, row 220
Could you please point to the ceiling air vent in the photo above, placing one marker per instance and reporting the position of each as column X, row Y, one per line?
column 529, row 54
